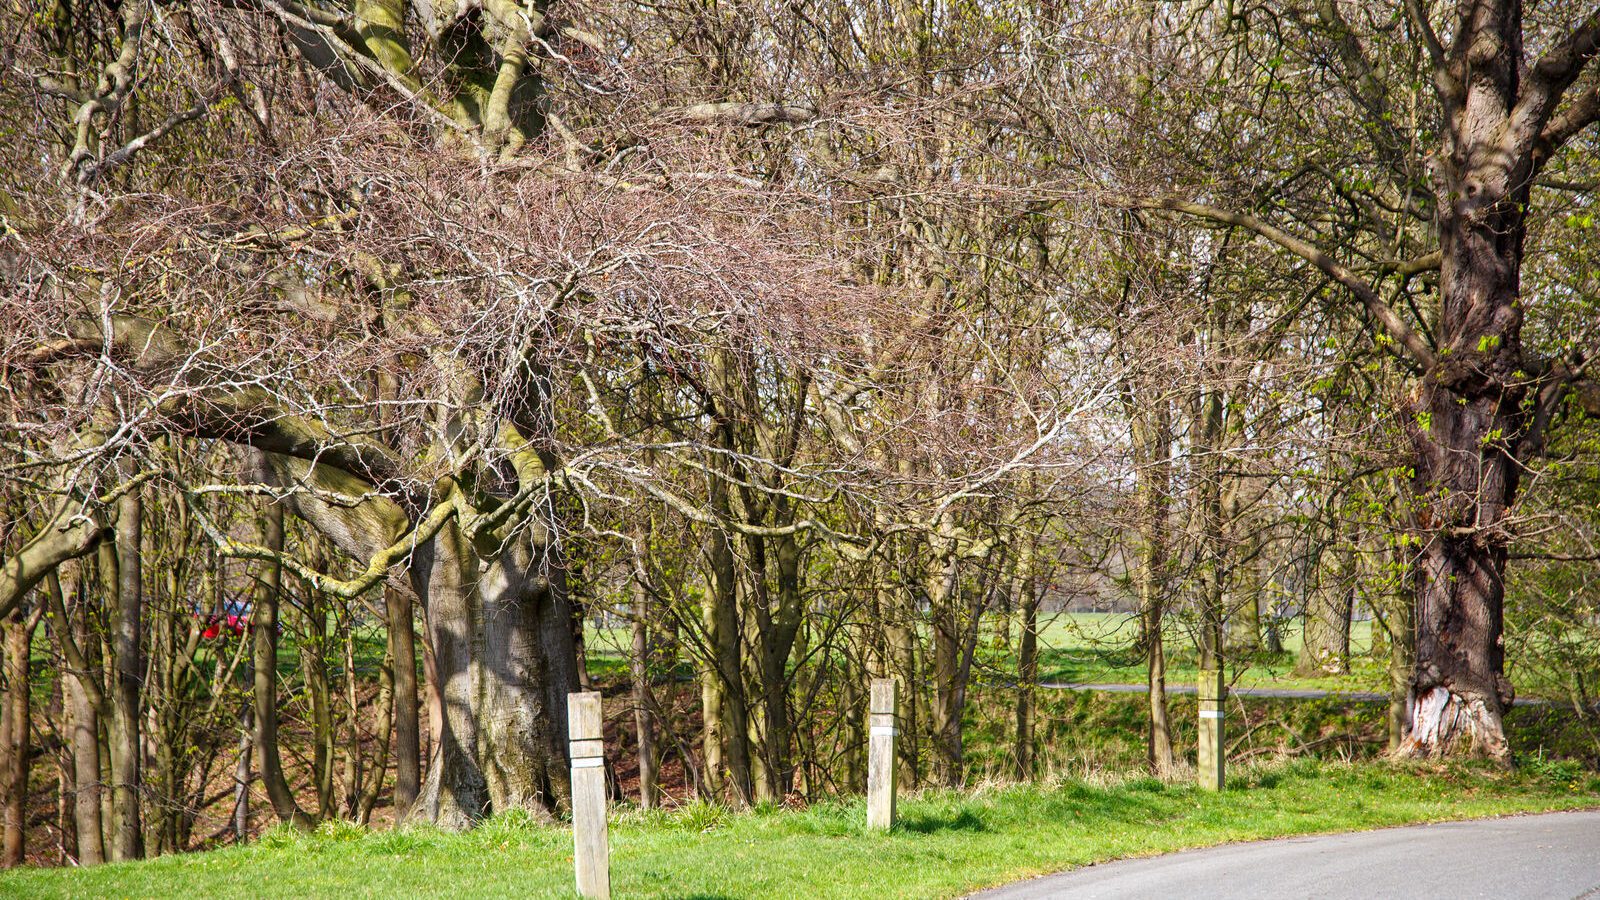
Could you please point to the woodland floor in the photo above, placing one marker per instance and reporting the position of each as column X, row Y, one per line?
column 947, row 843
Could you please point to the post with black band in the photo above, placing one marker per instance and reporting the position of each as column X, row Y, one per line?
column 590, row 854
column 1213, row 693
column 884, row 726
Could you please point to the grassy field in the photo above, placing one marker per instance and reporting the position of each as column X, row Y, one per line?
column 1092, row 648
column 947, row 843
column 1098, row 648
column 1088, row 647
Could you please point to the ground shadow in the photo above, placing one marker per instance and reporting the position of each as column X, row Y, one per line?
column 932, row 824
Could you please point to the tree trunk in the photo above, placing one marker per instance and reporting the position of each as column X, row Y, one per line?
column 1152, row 614
column 503, row 644
column 85, row 716
column 1328, row 608
column 1210, row 524
column 643, row 720
column 455, row 795
column 1244, row 603
column 264, row 638
column 127, row 839
column 367, row 800
column 432, row 696
column 731, row 726
column 1469, row 423
column 1152, row 444
column 15, row 722
column 241, row 780
column 84, row 698
column 778, row 631
column 711, row 702
column 407, row 727
column 1459, row 692
column 850, row 741
column 1027, row 667
column 314, row 673
column 353, row 768
column 1402, row 663
column 948, row 693
column 899, row 660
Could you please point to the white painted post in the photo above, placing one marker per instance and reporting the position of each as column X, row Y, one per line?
column 1213, row 694
column 590, row 855
column 884, row 727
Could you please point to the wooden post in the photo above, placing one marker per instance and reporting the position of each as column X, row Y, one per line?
column 884, row 727
column 1213, row 695
column 590, row 855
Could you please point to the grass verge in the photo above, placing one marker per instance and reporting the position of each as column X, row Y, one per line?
column 947, row 843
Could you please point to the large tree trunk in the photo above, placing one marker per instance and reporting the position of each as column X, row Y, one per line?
column 529, row 666
column 504, row 649
column 1464, row 484
column 1459, row 690
column 455, row 794
column 1469, row 416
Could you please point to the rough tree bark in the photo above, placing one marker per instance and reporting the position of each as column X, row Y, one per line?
column 1482, row 405
column 407, row 726
column 264, row 635
column 85, row 698
column 15, row 731
column 1152, row 454
column 643, row 704
column 127, row 589
column 1472, row 429
column 727, row 741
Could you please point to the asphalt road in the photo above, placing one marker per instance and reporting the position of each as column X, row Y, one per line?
column 1281, row 693
column 1278, row 693
column 1556, row 855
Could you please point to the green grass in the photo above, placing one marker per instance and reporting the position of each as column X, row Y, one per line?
column 1100, row 648
column 1086, row 647
column 947, row 843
